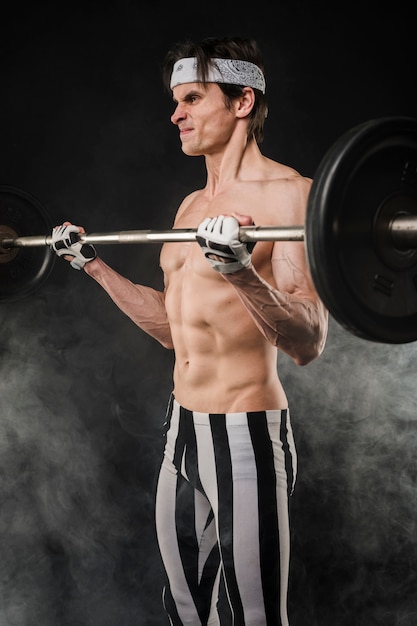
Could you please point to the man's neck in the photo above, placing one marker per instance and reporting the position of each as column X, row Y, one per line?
column 236, row 162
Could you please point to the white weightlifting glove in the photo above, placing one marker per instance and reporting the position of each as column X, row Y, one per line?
column 65, row 242
column 219, row 236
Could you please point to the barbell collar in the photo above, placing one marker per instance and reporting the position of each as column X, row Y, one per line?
column 403, row 229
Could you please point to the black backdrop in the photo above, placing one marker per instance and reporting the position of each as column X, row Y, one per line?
column 85, row 128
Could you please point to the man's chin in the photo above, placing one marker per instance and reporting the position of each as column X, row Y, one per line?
column 190, row 151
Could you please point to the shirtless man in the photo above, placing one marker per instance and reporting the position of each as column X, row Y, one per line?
column 229, row 465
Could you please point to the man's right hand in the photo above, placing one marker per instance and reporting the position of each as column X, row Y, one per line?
column 66, row 243
column 218, row 238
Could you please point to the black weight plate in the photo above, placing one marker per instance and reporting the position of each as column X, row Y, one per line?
column 26, row 268
column 368, row 285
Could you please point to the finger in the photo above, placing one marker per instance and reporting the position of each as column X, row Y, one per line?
column 244, row 220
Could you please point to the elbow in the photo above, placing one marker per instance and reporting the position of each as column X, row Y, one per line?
column 314, row 345
column 302, row 354
column 309, row 350
column 164, row 338
column 305, row 357
column 167, row 344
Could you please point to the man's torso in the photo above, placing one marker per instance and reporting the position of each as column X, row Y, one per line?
column 223, row 363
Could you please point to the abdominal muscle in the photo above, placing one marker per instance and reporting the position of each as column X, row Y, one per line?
column 218, row 383
column 223, row 364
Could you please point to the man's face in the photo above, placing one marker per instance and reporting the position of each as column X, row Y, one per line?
column 201, row 115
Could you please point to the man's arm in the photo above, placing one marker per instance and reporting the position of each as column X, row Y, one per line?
column 145, row 306
column 295, row 321
column 290, row 314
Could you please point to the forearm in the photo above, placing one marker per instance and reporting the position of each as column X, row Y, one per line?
column 143, row 305
column 295, row 324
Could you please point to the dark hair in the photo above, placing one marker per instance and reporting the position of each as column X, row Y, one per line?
column 225, row 48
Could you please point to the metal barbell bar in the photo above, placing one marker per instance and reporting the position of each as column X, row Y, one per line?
column 402, row 229
column 246, row 233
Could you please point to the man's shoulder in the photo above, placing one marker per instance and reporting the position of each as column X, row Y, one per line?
column 280, row 179
column 280, row 194
column 189, row 199
column 282, row 173
column 192, row 204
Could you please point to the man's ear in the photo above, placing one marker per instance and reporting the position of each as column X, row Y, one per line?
column 244, row 104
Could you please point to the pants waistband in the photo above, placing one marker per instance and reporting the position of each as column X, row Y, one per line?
column 274, row 415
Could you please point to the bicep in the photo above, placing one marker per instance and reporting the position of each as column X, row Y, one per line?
column 289, row 258
column 290, row 269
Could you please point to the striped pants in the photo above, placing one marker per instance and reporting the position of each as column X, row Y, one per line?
column 222, row 508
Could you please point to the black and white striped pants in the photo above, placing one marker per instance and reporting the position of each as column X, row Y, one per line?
column 222, row 506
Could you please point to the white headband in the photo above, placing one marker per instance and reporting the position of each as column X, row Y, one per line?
column 230, row 71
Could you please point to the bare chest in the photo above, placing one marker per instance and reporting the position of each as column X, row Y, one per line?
column 188, row 256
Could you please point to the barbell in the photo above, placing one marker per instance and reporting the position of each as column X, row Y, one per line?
column 360, row 233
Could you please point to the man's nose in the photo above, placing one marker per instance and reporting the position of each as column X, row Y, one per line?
column 178, row 115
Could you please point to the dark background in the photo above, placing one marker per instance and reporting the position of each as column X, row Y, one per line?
column 85, row 128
